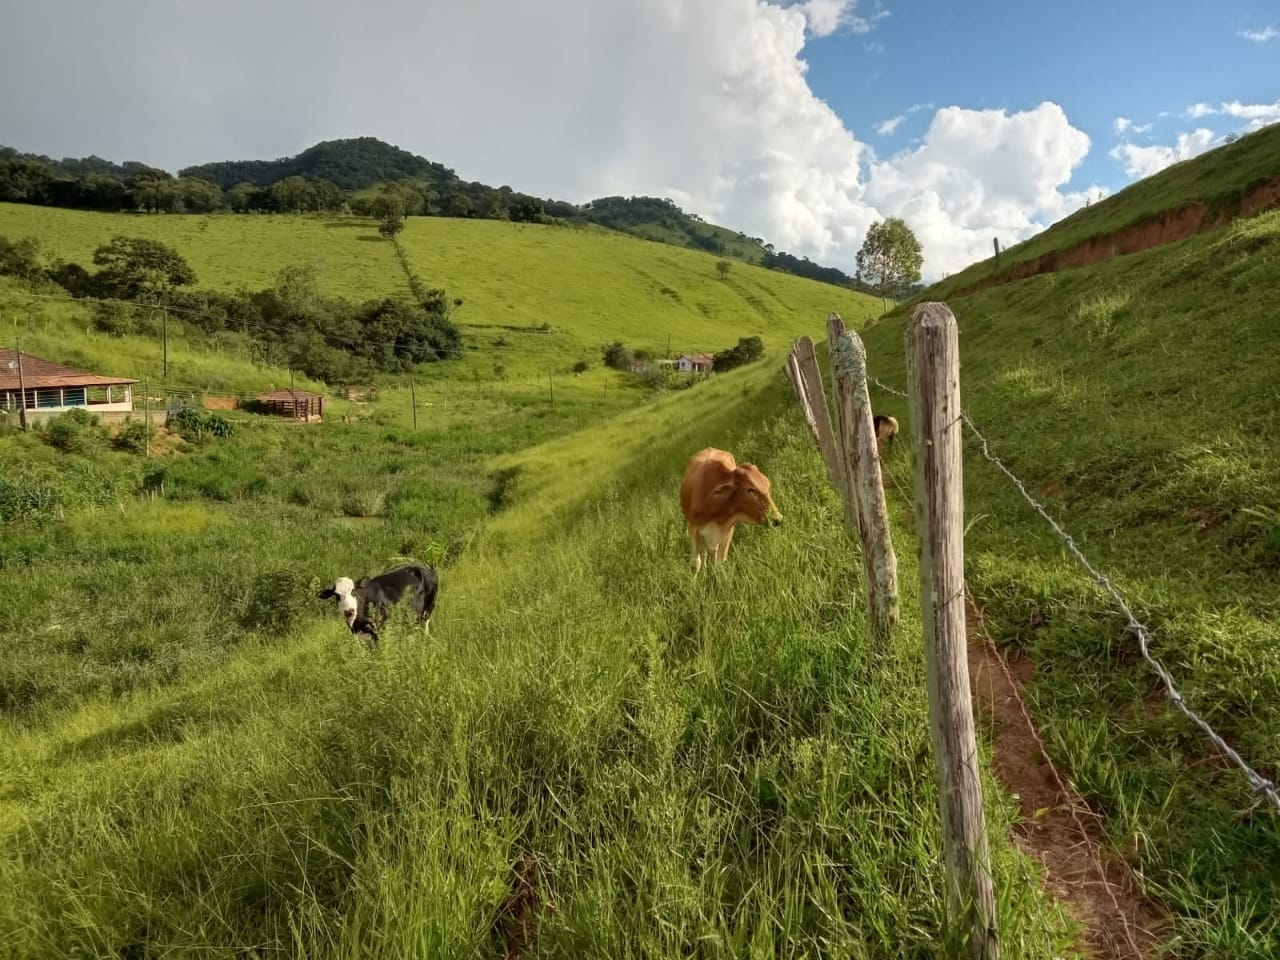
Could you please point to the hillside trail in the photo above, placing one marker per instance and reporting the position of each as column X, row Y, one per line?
column 1057, row 828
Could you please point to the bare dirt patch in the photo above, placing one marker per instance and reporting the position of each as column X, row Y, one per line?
column 1205, row 517
column 521, row 913
column 1057, row 828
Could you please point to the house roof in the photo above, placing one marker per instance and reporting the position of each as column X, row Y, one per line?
column 699, row 357
column 40, row 374
column 287, row 394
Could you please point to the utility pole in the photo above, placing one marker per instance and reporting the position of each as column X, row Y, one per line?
column 164, row 328
column 22, row 387
column 413, row 400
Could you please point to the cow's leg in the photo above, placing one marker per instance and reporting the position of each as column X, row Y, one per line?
column 695, row 550
column 722, row 548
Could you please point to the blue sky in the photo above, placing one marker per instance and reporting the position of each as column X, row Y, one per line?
column 1098, row 61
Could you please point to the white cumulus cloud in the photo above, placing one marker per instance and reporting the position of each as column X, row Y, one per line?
column 1264, row 35
column 1144, row 161
column 825, row 17
column 979, row 174
column 1259, row 114
column 1123, row 125
column 887, row 127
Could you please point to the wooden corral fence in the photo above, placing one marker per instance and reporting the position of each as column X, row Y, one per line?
column 853, row 466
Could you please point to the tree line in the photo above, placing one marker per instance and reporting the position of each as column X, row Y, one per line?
column 291, row 324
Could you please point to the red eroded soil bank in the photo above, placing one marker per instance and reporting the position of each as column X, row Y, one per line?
column 1167, row 227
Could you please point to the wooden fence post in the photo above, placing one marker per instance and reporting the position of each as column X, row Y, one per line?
column 862, row 478
column 933, row 365
column 814, row 402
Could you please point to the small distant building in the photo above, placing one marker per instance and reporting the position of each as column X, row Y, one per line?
column 294, row 404
column 47, row 389
column 696, row 362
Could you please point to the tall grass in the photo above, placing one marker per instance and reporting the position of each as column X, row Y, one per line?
column 714, row 767
column 1138, row 399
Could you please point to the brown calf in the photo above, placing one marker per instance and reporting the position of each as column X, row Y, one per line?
column 716, row 494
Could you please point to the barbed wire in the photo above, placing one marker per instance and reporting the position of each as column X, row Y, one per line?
column 1071, row 800
column 1261, row 785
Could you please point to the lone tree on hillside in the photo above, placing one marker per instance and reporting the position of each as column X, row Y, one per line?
column 723, row 266
column 890, row 258
column 137, row 267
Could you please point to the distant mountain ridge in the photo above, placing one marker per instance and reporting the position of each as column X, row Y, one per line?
column 352, row 164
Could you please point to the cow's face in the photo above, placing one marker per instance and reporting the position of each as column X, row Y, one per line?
column 748, row 496
column 343, row 588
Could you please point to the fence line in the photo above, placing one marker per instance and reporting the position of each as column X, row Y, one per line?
column 1071, row 800
column 1259, row 783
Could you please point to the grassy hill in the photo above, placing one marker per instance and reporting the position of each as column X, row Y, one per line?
column 1199, row 191
column 1137, row 399
column 585, row 286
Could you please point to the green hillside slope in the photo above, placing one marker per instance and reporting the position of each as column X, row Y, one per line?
column 1138, row 400
column 1217, row 180
column 587, row 285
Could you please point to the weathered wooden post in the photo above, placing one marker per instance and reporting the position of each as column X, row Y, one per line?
column 860, row 461
column 816, row 412
column 933, row 366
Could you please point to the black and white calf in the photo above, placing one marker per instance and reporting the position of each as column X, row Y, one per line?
column 365, row 604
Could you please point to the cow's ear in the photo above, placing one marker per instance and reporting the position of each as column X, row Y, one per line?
column 723, row 490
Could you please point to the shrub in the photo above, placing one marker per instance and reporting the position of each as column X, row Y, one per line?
column 581, row 367
column 197, row 425
column 134, row 437
column 76, row 431
column 617, row 356
column 747, row 350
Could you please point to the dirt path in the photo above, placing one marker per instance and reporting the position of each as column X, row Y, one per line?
column 1057, row 828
